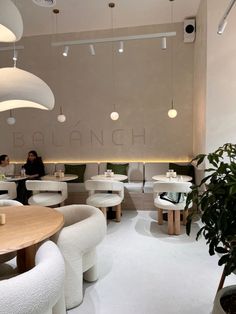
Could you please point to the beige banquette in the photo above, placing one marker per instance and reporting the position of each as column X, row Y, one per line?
column 138, row 188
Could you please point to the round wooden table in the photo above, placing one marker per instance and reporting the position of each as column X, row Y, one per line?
column 25, row 227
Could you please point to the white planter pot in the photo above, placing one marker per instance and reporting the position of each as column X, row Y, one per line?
column 217, row 308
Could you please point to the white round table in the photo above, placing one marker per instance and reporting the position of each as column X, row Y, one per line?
column 179, row 178
column 15, row 178
column 67, row 177
column 114, row 177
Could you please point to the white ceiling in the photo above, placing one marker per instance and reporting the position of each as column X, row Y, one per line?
column 85, row 15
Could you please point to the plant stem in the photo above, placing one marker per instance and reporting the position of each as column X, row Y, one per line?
column 222, row 280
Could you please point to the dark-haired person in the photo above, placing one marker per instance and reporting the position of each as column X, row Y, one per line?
column 34, row 169
column 5, row 167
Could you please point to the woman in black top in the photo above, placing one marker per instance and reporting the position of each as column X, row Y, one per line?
column 34, row 167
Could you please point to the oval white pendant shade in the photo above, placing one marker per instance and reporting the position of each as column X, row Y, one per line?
column 21, row 89
column 11, row 24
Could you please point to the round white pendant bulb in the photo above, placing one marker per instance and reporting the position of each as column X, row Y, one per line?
column 172, row 113
column 114, row 116
column 11, row 120
column 61, row 118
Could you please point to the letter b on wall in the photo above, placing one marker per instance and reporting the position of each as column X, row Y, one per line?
column 189, row 30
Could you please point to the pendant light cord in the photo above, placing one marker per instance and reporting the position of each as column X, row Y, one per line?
column 112, row 5
column 171, row 60
column 14, row 55
column 56, row 12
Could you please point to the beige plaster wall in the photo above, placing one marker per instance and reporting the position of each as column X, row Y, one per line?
column 200, row 72
column 82, row 84
column 221, row 77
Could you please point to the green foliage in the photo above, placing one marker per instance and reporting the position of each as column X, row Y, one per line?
column 218, row 204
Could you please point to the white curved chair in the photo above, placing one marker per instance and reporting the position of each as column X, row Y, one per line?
column 38, row 290
column 10, row 187
column 173, row 210
column 47, row 193
column 84, row 229
column 8, row 256
column 101, row 198
column 9, row 203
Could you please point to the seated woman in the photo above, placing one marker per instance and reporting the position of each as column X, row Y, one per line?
column 34, row 169
column 5, row 167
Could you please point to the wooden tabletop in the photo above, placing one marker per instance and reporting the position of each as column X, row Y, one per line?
column 27, row 225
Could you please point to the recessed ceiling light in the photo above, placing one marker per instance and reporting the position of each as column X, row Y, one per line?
column 45, row 3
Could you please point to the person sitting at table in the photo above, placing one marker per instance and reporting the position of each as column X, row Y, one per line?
column 34, row 169
column 5, row 167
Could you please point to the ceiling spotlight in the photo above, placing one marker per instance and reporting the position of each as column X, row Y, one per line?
column 65, row 52
column 45, row 3
column 221, row 27
column 163, row 43
column 92, row 50
column 114, row 116
column 223, row 22
column 121, row 47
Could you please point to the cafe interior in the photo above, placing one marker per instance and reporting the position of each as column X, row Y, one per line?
column 116, row 98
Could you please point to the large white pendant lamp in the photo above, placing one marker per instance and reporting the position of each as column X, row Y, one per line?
column 11, row 24
column 21, row 89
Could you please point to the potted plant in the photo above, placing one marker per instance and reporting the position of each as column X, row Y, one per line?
column 217, row 203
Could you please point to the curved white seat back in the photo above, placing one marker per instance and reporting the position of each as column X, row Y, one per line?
column 9, row 203
column 10, row 187
column 39, row 289
column 100, row 185
column 40, row 186
column 179, row 187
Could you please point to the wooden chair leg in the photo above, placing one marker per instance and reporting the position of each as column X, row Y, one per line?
column 177, row 222
column 160, row 216
column 170, row 222
column 185, row 215
column 104, row 210
column 118, row 212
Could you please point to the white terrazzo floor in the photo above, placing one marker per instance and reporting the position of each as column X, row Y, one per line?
column 145, row 271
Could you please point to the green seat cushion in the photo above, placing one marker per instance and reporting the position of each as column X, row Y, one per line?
column 76, row 169
column 184, row 170
column 118, row 169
